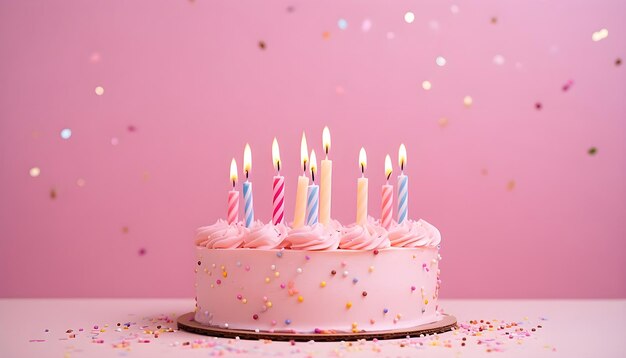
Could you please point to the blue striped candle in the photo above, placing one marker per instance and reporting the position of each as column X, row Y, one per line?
column 249, row 208
column 312, row 205
column 403, row 198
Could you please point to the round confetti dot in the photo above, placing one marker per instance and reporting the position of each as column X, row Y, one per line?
column 385, row 310
column 426, row 85
column 323, row 284
column 279, row 254
column 273, row 267
column 287, row 321
column 345, row 273
column 66, row 133
column 366, row 25
column 348, row 305
column 409, row 17
column 600, row 35
column 239, row 297
column 440, row 61
column 618, row 61
column 299, row 270
column 142, row 252
column 498, row 60
column 99, row 90
column 34, row 172
column 276, row 273
column 333, row 272
column 244, row 301
column 268, row 304
column 262, row 45
column 267, row 280
column 199, row 262
column 255, row 316
column 355, row 280
column 538, row 106
column 443, row 122
column 371, row 269
column 364, row 293
column 467, row 101
column 342, row 24
column 300, row 298
column 494, row 20
column 592, row 151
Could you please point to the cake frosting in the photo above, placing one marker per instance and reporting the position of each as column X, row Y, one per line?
column 317, row 278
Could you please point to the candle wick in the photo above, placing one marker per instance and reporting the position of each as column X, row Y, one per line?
column 278, row 166
column 304, row 167
column 402, row 167
column 362, row 169
column 233, row 184
column 388, row 176
column 246, row 175
column 313, row 176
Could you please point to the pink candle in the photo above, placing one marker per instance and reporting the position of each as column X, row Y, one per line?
column 233, row 195
column 387, row 197
column 278, row 188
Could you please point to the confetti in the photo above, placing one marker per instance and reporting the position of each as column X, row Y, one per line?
column 366, row 25
column 468, row 101
column 538, row 106
column 498, row 60
column 510, row 185
column 440, row 61
column 426, row 85
column 125, row 231
column 592, row 151
column 618, row 61
column 342, row 24
column 326, row 35
column 131, row 128
column 409, row 17
column 66, row 133
column 53, row 194
column 142, row 252
column 99, row 90
column 34, row 172
column 262, row 45
column 600, row 35
column 567, row 85
column 494, row 20
column 443, row 122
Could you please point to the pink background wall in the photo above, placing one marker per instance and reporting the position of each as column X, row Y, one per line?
column 524, row 209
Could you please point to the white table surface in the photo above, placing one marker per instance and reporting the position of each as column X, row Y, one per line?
column 570, row 328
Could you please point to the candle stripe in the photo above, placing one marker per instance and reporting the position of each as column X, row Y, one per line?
column 278, row 200
column 403, row 198
column 387, row 206
column 312, row 205
column 248, row 206
column 233, row 206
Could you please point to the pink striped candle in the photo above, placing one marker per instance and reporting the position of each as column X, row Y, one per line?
column 233, row 206
column 278, row 200
column 387, row 192
column 233, row 195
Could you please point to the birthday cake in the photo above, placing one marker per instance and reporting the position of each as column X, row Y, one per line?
column 316, row 275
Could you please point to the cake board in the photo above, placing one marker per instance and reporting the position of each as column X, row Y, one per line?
column 186, row 322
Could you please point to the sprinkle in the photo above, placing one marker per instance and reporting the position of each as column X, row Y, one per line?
column 267, row 280
column 443, row 122
column 345, row 273
column 268, row 304
column 299, row 270
column 262, row 45
column 225, row 325
column 354, row 325
column 99, row 90
column 348, row 305
column 300, row 298
column 440, row 61
column 618, row 61
column 426, row 302
column 225, row 274
column 307, row 257
column 538, row 106
column 255, row 316
column 282, row 285
column 239, row 297
column 238, row 263
column 279, row 254
column 273, row 267
column 426, row 85
column 371, row 269
column 567, row 85
column 467, row 101
column 498, row 60
column 287, row 321
column 342, row 24
column 276, row 273
column 412, row 288
column 323, row 284
column 219, row 282
column 244, row 301
column 385, row 310
column 494, row 20
column 333, row 272
column 592, row 151
column 53, row 193
column 364, row 293
column 355, row 280
column 600, row 35
column 66, row 133
column 376, row 252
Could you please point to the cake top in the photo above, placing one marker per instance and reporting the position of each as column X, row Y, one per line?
column 318, row 237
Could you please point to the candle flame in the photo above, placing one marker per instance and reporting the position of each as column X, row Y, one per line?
column 247, row 160
column 326, row 140
column 402, row 156
column 304, row 152
column 276, row 154
column 388, row 168
column 313, row 165
column 233, row 171
column 362, row 160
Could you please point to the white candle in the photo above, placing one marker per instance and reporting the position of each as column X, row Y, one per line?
column 301, row 190
column 361, row 197
column 325, row 180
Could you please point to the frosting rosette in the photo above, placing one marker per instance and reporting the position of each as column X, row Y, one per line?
column 266, row 236
column 221, row 235
column 370, row 236
column 313, row 238
column 414, row 234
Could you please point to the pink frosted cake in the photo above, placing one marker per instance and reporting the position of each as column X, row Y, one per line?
column 317, row 278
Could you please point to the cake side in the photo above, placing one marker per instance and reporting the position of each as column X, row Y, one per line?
column 316, row 291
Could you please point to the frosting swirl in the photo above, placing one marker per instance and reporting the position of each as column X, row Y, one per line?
column 266, row 236
column 364, row 237
column 414, row 234
column 221, row 235
column 313, row 238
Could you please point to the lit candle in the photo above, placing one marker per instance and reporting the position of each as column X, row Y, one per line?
column 301, row 190
column 278, row 188
column 403, row 187
column 325, row 180
column 361, row 196
column 312, row 201
column 247, row 187
column 387, row 192
column 233, row 195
